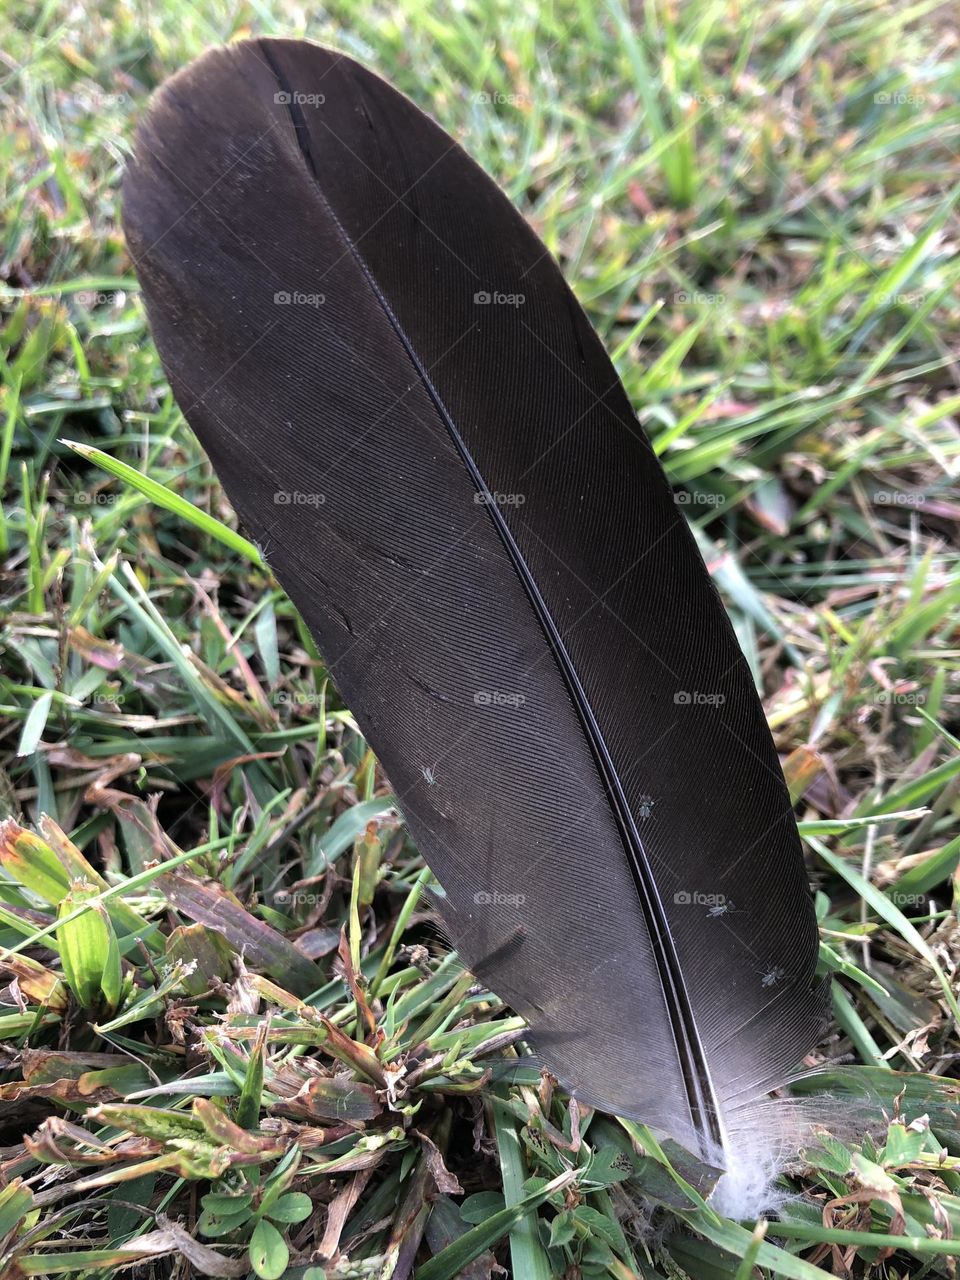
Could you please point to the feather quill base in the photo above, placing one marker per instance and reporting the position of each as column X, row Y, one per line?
column 766, row 1137
column 747, row 1189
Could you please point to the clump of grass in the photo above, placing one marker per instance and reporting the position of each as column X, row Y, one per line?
column 230, row 1041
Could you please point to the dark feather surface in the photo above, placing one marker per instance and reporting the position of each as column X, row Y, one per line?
column 481, row 539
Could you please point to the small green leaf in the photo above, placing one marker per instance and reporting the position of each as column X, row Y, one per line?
column 562, row 1229
column 206, row 949
column 265, row 630
column 903, row 1145
column 111, row 980
column 284, row 1170
column 598, row 1224
column 295, row 1206
column 220, row 1203
column 269, row 1254
column 829, row 1154
column 248, row 1106
column 216, row 1225
column 88, row 948
column 871, row 1176
column 607, row 1166
column 16, row 1201
column 32, row 863
column 34, row 725
column 481, row 1206
column 280, row 1178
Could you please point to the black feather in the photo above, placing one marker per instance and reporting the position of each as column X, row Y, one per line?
column 400, row 392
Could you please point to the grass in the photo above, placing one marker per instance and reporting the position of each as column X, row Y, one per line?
column 757, row 204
